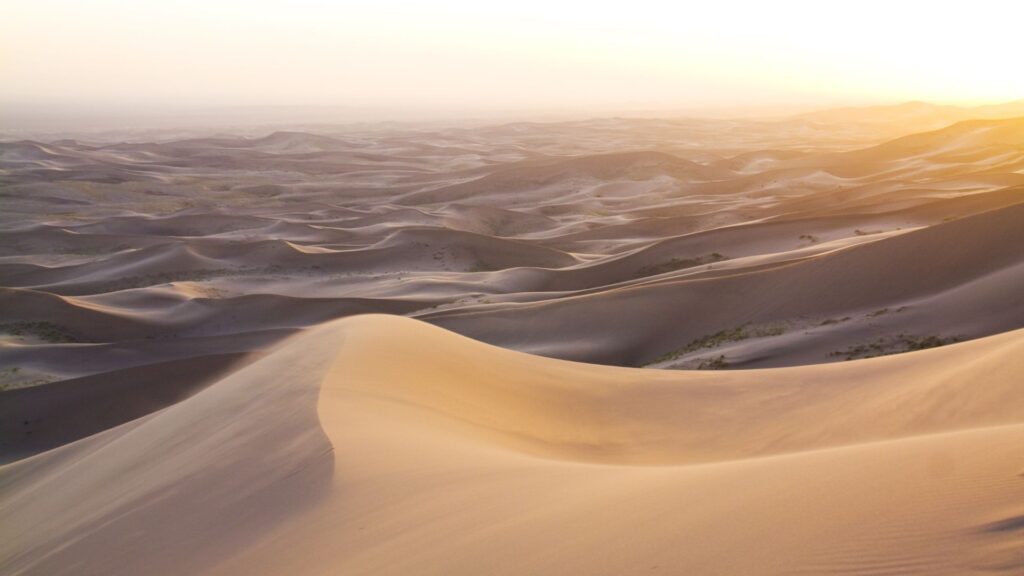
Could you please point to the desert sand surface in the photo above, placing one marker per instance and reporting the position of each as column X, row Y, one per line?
column 614, row 346
column 330, row 456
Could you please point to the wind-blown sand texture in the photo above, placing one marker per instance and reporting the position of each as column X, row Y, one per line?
column 361, row 352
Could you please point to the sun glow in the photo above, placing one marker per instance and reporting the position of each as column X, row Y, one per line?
column 526, row 54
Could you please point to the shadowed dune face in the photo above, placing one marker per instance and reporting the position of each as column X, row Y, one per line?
column 303, row 353
column 673, row 244
column 461, row 456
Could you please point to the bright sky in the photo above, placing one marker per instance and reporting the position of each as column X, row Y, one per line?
column 522, row 54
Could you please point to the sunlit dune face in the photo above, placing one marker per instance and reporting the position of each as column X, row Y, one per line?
column 528, row 54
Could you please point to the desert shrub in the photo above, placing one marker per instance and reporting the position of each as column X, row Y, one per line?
column 46, row 331
column 828, row 321
column 717, row 363
column 721, row 337
column 898, row 344
column 678, row 264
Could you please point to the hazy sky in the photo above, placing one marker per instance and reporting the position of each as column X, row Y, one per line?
column 523, row 54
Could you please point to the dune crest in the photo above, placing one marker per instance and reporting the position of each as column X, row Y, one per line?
column 360, row 350
column 463, row 457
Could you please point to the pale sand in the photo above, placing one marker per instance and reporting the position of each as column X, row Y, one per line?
column 454, row 457
column 164, row 415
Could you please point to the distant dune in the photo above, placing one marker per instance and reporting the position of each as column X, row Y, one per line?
column 359, row 351
column 914, row 116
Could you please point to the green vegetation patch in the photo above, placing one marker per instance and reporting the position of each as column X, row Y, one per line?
column 14, row 377
column 829, row 321
column 203, row 275
column 46, row 331
column 882, row 311
column 678, row 264
column 157, row 278
column 717, row 339
column 716, row 363
column 860, row 232
column 898, row 344
column 480, row 266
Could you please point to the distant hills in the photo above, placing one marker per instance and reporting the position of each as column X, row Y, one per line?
column 916, row 112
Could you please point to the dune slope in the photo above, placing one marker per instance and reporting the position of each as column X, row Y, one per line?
column 672, row 244
column 383, row 445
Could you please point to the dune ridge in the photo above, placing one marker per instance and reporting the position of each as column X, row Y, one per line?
column 501, row 232
column 668, row 457
column 360, row 350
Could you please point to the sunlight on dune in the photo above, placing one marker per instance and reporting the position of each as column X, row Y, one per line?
column 536, row 288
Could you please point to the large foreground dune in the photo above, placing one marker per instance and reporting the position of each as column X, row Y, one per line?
column 383, row 445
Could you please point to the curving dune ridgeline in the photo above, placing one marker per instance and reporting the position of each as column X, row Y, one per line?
column 616, row 346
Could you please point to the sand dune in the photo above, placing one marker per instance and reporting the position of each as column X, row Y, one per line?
column 522, row 454
column 534, row 241
column 195, row 377
column 913, row 116
column 40, row 418
column 533, row 177
column 908, row 271
column 537, row 237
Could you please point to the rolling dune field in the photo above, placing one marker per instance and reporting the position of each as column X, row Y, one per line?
column 614, row 346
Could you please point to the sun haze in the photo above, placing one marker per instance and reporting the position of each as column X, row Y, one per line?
column 491, row 57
